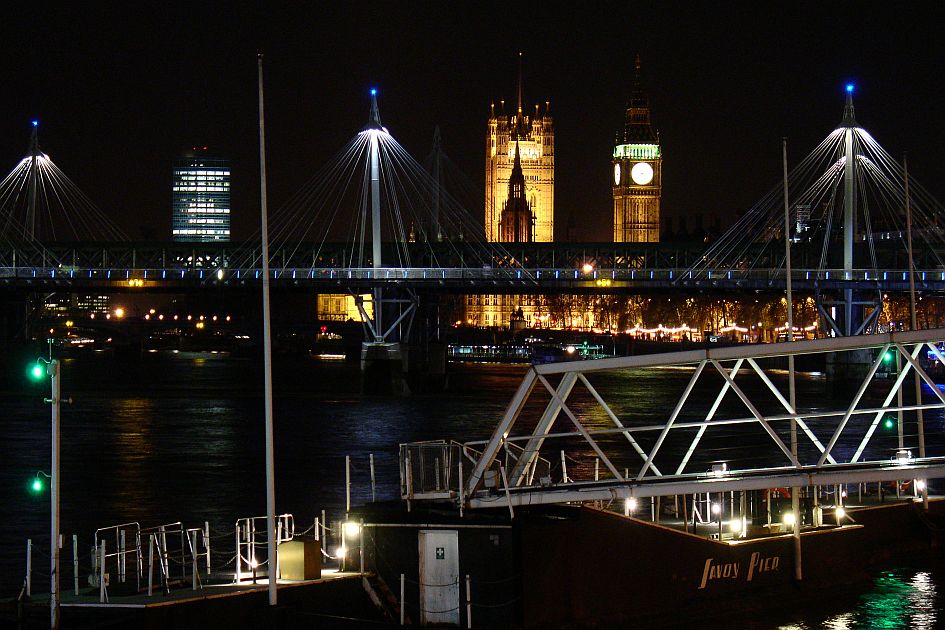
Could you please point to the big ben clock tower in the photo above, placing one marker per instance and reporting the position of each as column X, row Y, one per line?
column 637, row 164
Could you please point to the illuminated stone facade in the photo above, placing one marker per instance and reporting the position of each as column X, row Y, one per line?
column 536, row 140
column 341, row 307
column 520, row 151
column 637, row 172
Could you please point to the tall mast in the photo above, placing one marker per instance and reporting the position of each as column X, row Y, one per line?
column 849, row 205
column 34, row 174
column 267, row 355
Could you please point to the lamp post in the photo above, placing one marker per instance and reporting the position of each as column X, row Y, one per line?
column 52, row 371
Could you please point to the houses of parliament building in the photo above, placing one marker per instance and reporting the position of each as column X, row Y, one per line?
column 519, row 194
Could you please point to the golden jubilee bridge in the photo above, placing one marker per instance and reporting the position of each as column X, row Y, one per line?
column 456, row 268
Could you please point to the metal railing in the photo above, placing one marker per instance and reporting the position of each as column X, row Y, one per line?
column 251, row 534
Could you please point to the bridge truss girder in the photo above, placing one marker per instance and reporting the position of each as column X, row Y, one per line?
column 519, row 465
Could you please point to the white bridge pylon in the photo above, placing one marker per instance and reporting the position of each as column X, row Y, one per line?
column 833, row 436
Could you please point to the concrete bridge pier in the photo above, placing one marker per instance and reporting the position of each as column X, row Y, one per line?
column 384, row 368
column 845, row 371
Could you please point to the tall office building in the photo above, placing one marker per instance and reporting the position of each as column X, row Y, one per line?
column 201, row 198
column 638, row 171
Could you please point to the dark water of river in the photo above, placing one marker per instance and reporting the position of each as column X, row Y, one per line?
column 179, row 437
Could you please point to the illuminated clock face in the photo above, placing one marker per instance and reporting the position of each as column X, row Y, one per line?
column 616, row 174
column 642, row 173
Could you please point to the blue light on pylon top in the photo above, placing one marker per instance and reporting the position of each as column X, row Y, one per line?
column 36, row 123
column 850, row 87
column 373, row 91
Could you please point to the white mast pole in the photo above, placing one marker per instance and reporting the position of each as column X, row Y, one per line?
column 267, row 352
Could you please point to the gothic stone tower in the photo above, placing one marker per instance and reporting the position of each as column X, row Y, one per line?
column 517, row 224
column 535, row 138
column 637, row 163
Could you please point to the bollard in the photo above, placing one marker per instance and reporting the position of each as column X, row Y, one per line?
column 29, row 566
column 468, row 602
column 75, row 565
column 401, row 599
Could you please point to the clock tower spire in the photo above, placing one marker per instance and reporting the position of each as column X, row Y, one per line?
column 637, row 163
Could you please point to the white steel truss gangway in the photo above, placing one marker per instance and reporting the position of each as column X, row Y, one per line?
column 560, row 441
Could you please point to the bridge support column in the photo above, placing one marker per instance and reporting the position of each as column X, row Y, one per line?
column 846, row 370
column 383, row 368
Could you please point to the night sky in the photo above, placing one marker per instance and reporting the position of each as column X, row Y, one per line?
column 120, row 92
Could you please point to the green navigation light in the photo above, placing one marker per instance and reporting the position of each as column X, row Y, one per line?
column 37, row 372
column 889, row 423
column 887, row 357
column 37, row 485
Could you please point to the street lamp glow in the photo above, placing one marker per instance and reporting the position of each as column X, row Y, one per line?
column 36, row 123
column 119, row 312
column 850, row 88
column 373, row 91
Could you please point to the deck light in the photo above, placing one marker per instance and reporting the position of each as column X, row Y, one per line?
column 903, row 456
column 788, row 519
column 719, row 470
column 340, row 552
column 587, row 268
column 352, row 529
column 920, row 484
column 716, row 508
column 630, row 505
column 840, row 512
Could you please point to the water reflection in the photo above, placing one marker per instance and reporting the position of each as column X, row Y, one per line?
column 901, row 598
